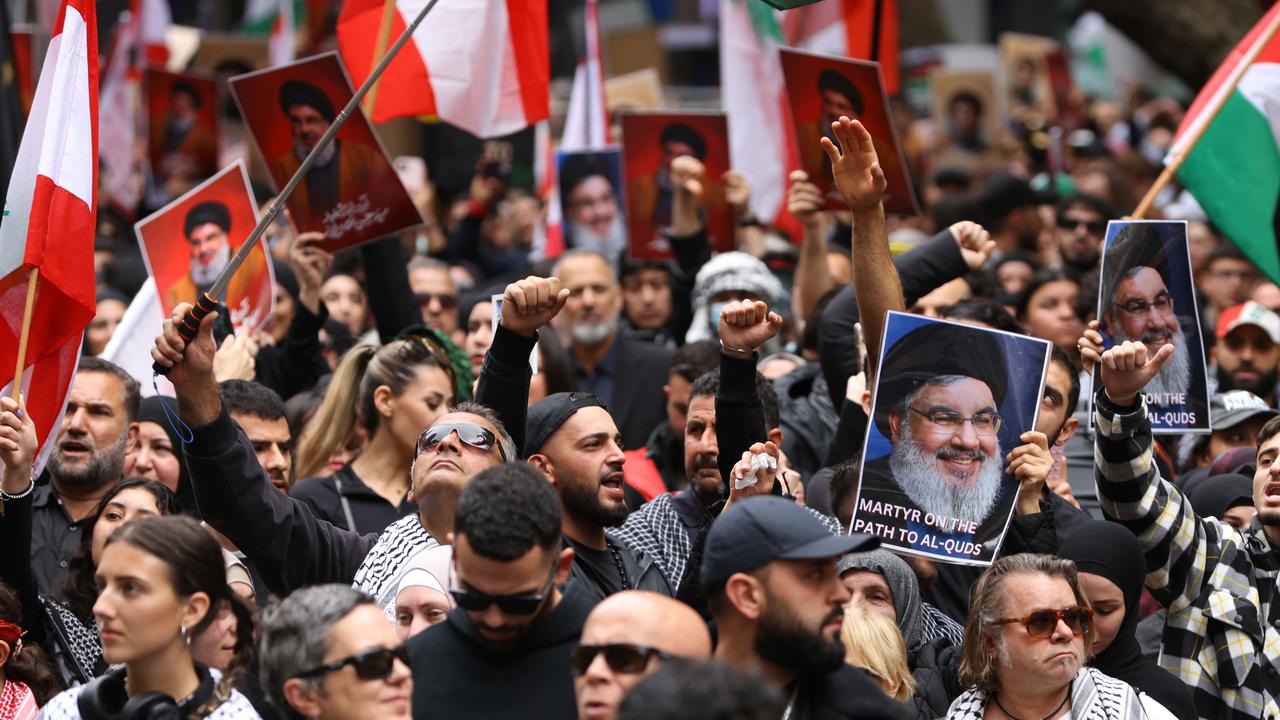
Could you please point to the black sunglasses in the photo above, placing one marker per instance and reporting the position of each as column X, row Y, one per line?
column 1042, row 623
column 476, row 601
column 1093, row 227
column 447, row 301
column 374, row 664
column 620, row 657
column 477, row 436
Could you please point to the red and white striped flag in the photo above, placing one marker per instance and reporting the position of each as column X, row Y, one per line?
column 483, row 65
column 858, row 29
column 761, row 141
column 586, row 127
column 138, row 41
column 48, row 222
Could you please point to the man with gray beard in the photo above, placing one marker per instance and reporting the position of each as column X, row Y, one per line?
column 1138, row 305
column 938, row 404
column 87, row 460
column 625, row 373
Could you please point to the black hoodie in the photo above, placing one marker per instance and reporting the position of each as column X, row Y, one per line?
column 454, row 676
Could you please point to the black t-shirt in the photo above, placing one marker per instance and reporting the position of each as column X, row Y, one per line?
column 600, row 568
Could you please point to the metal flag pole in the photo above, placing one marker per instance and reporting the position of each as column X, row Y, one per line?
column 208, row 301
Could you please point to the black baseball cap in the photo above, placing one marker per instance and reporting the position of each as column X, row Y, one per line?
column 549, row 413
column 1004, row 193
column 753, row 533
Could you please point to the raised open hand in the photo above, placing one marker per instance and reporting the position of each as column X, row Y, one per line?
column 855, row 166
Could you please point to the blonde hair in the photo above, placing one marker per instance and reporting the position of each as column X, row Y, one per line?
column 987, row 607
column 874, row 642
column 348, row 400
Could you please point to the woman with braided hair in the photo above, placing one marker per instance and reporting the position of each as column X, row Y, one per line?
column 161, row 583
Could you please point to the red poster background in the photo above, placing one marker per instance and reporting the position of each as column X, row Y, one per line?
column 641, row 157
column 801, row 71
column 168, row 254
column 201, row 148
column 388, row 210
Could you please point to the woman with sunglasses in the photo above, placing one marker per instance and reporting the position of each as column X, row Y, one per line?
column 328, row 651
column 1024, row 650
column 396, row 391
column 161, row 583
column 1111, row 570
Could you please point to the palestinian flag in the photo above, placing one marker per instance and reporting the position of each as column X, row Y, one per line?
column 1234, row 169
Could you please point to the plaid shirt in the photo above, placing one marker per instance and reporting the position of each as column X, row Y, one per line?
column 1222, row 635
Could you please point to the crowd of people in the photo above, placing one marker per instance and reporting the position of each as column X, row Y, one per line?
column 626, row 489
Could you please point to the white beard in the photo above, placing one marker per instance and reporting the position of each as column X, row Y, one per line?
column 591, row 333
column 301, row 151
column 916, row 472
column 610, row 245
column 205, row 275
column 1175, row 376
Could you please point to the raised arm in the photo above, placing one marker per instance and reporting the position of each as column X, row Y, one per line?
column 17, row 452
column 862, row 184
column 289, row 545
column 1181, row 550
column 813, row 276
column 745, row 325
column 527, row 305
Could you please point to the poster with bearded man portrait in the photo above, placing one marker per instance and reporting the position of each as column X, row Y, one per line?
column 1147, row 294
column 951, row 402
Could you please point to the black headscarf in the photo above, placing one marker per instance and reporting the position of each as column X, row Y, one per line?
column 151, row 410
column 1217, row 494
column 1111, row 551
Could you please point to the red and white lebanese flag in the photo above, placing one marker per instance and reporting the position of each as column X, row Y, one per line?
column 858, row 29
column 483, row 65
column 586, row 127
column 48, row 221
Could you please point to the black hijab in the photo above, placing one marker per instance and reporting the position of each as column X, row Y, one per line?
column 1111, row 551
column 152, row 410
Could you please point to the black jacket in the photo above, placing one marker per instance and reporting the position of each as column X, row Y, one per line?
column 369, row 511
column 638, row 404
column 455, row 677
column 809, row 420
column 846, row 693
column 289, row 546
column 297, row 364
column 935, row 667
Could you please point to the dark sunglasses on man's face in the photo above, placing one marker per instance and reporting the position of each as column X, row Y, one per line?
column 476, row 601
column 620, row 657
column 1042, row 623
column 476, row 436
column 447, row 301
column 372, row 664
column 1093, row 227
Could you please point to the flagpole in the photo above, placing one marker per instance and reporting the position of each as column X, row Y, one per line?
column 379, row 47
column 32, row 276
column 207, row 302
column 1175, row 158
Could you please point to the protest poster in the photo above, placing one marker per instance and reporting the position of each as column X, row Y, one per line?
column 352, row 194
column 592, row 201
column 951, row 401
column 182, row 129
column 1028, row 85
column 231, row 54
column 187, row 243
column 1147, row 293
column 650, row 141
column 821, row 89
column 964, row 108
